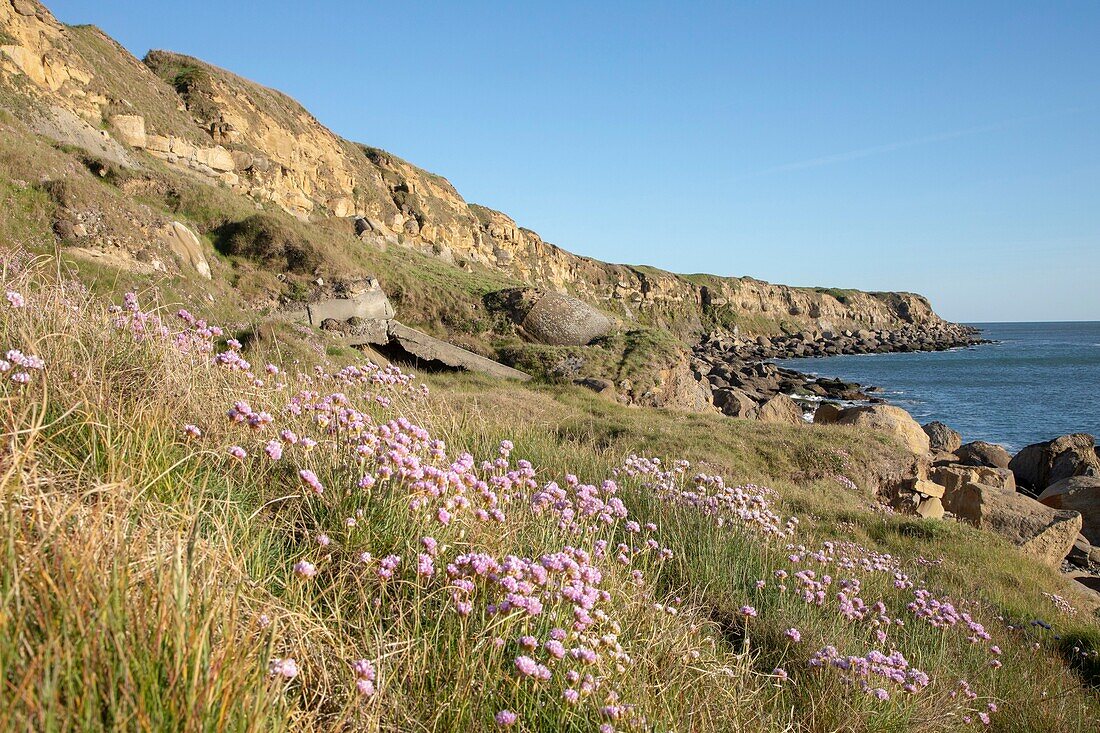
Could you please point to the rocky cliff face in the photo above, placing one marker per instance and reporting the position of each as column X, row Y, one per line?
column 82, row 88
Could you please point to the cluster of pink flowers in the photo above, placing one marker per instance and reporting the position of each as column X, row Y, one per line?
column 21, row 366
column 365, row 677
column 741, row 506
column 872, row 670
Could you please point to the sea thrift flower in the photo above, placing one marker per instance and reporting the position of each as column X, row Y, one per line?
column 191, row 431
column 311, row 480
column 748, row 611
column 324, row 540
column 285, row 668
column 305, row 569
column 238, row 452
column 794, row 635
column 274, row 450
column 16, row 300
column 505, row 718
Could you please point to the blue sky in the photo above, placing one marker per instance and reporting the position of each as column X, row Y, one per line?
column 951, row 149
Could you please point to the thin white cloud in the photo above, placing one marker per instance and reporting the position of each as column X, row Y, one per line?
column 901, row 145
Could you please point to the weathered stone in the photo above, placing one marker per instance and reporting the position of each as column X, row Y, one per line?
column 426, row 348
column 216, row 158
column 734, row 402
column 780, row 409
column 157, row 144
column 1081, row 552
column 980, row 453
column 1040, row 531
column 1081, row 494
column 1039, row 465
column 368, row 305
column 928, row 488
column 188, row 247
column 562, row 320
column 889, row 419
column 827, row 413
column 130, row 129
column 942, row 439
column 931, row 508
column 600, row 386
column 955, row 477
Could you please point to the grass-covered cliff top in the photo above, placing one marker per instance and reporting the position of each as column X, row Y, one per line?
column 193, row 539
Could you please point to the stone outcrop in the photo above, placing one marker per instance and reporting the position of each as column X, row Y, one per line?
column 1039, row 531
column 1080, row 494
column 782, row 410
column 1039, row 465
column 261, row 143
column 889, row 419
column 186, row 245
column 430, row 349
column 942, row 439
column 980, row 453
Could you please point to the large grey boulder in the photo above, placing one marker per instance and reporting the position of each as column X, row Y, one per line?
column 1080, row 494
column 1041, row 464
column 551, row 318
column 734, row 402
column 368, row 303
column 942, row 438
column 980, row 453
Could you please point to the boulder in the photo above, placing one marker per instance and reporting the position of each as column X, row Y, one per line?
column 930, row 508
column 889, row 419
column 130, row 129
column 954, row 477
column 429, row 349
column 188, row 247
column 1041, row 532
column 371, row 304
column 827, row 413
column 562, row 320
column 942, row 438
column 780, row 409
column 980, row 453
column 1041, row 464
column 734, row 402
column 928, row 489
column 1081, row 552
column 1080, row 494
column 600, row 386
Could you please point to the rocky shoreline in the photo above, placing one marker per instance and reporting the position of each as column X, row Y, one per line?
column 742, row 383
column 1045, row 499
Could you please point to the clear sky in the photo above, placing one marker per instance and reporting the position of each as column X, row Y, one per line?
column 947, row 148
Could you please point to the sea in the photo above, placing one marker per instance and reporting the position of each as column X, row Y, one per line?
column 1036, row 382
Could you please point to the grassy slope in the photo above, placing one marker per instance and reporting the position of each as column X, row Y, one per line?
column 137, row 568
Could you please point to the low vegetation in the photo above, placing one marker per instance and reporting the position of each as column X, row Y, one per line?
column 192, row 540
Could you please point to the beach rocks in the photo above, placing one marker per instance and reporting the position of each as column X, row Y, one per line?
column 1041, row 532
column 942, row 439
column 980, row 453
column 780, row 409
column 1081, row 494
column 889, row 419
column 827, row 413
column 1041, row 464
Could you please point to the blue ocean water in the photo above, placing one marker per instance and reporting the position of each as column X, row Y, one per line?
column 1040, row 380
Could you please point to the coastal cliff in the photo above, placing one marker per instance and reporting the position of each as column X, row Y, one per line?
column 75, row 84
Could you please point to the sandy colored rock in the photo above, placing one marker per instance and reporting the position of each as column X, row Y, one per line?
column 130, row 129
column 1040, row 531
column 1080, row 494
column 930, row 508
column 889, row 419
column 929, row 489
column 780, row 409
column 188, row 247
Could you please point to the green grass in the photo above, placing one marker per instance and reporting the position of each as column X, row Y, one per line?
column 136, row 567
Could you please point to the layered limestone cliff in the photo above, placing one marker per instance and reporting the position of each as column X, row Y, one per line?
column 77, row 85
